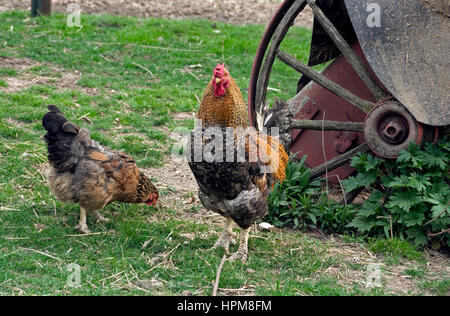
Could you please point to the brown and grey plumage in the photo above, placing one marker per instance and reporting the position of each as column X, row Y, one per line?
column 84, row 172
column 235, row 188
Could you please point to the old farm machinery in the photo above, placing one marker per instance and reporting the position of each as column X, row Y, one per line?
column 387, row 82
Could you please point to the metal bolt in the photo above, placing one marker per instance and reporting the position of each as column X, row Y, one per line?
column 392, row 130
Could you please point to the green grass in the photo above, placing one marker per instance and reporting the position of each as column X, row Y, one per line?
column 395, row 250
column 440, row 287
column 127, row 108
column 6, row 71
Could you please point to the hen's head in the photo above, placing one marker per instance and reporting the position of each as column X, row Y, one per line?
column 152, row 199
column 220, row 80
column 146, row 191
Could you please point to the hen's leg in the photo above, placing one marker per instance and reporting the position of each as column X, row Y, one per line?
column 242, row 252
column 227, row 237
column 100, row 217
column 82, row 226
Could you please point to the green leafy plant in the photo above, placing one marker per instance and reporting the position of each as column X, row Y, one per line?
column 410, row 196
column 300, row 203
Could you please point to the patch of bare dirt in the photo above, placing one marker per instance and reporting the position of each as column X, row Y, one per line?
column 355, row 264
column 19, row 64
column 25, row 79
column 441, row 6
column 176, row 179
column 336, row 193
column 16, row 123
column 228, row 11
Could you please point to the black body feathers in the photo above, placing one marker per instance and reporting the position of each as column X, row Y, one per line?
column 227, row 187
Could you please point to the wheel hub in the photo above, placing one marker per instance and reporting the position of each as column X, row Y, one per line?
column 393, row 129
column 389, row 128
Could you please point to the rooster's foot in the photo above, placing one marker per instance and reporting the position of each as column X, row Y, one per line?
column 241, row 254
column 225, row 240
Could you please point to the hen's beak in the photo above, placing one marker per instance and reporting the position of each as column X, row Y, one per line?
column 218, row 80
column 153, row 199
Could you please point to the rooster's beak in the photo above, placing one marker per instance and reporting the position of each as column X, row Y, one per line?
column 218, row 80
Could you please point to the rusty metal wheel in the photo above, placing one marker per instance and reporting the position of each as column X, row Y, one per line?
column 390, row 127
column 344, row 109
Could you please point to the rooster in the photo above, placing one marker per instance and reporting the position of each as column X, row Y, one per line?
column 246, row 163
column 86, row 173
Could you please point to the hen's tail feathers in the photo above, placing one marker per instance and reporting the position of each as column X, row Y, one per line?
column 61, row 135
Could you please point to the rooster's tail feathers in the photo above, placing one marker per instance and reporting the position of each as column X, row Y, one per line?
column 262, row 113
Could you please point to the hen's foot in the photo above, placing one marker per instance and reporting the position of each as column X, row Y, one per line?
column 83, row 228
column 225, row 240
column 101, row 218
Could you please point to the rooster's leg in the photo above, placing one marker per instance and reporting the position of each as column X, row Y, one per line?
column 100, row 217
column 242, row 252
column 227, row 237
column 82, row 226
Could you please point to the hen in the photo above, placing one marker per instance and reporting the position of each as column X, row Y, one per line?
column 235, row 166
column 86, row 173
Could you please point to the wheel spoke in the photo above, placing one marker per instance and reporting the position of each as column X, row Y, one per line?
column 361, row 69
column 327, row 125
column 320, row 79
column 337, row 161
column 349, row 197
column 278, row 37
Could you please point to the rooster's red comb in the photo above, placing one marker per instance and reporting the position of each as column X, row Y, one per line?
column 219, row 71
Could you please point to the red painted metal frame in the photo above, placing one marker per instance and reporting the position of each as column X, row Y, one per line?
column 323, row 146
